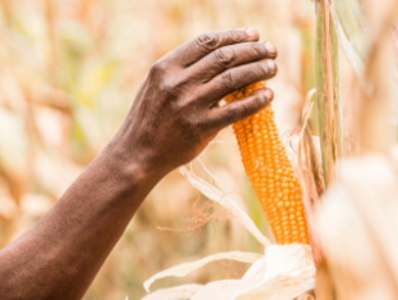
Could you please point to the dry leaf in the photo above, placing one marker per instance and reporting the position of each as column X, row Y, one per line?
column 185, row 269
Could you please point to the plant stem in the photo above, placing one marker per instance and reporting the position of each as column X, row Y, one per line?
column 327, row 72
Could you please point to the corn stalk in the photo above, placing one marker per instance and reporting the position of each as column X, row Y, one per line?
column 327, row 72
column 362, row 203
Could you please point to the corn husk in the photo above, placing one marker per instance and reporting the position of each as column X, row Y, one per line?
column 185, row 269
column 282, row 272
column 180, row 292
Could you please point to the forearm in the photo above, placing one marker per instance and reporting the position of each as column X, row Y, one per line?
column 60, row 256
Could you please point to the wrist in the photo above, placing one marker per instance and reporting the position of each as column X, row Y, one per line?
column 134, row 165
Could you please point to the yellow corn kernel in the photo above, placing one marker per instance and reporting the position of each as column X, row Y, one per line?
column 270, row 172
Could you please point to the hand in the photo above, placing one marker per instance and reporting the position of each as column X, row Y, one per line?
column 176, row 112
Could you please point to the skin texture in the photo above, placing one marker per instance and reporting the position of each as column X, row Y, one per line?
column 174, row 116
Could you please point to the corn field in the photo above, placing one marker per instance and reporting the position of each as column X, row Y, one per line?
column 69, row 71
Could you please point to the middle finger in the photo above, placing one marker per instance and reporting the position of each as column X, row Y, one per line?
column 231, row 56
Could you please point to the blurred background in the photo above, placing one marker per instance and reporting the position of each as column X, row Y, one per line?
column 69, row 71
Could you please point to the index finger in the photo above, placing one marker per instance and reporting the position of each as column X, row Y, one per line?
column 199, row 47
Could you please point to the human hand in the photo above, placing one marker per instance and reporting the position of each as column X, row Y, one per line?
column 176, row 112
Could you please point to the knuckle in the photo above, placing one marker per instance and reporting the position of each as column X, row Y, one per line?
column 258, row 102
column 225, row 56
column 210, row 68
column 262, row 70
column 167, row 81
column 235, row 36
column 179, row 81
column 258, row 49
column 233, row 114
column 208, row 41
column 230, row 81
column 159, row 68
column 166, row 87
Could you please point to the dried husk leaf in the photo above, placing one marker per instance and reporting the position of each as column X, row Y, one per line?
column 185, row 269
column 175, row 293
column 285, row 272
column 289, row 273
column 225, row 201
column 350, row 23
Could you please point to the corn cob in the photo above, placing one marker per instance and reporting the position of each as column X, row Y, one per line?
column 270, row 172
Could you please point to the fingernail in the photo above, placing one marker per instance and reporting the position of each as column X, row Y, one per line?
column 252, row 32
column 269, row 94
column 270, row 49
column 271, row 66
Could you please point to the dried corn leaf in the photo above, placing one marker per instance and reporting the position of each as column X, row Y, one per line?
column 350, row 24
column 285, row 272
column 225, row 201
column 289, row 272
column 257, row 270
column 185, row 269
column 175, row 293
column 353, row 34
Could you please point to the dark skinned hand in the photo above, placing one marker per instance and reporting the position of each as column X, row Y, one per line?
column 174, row 116
column 176, row 111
